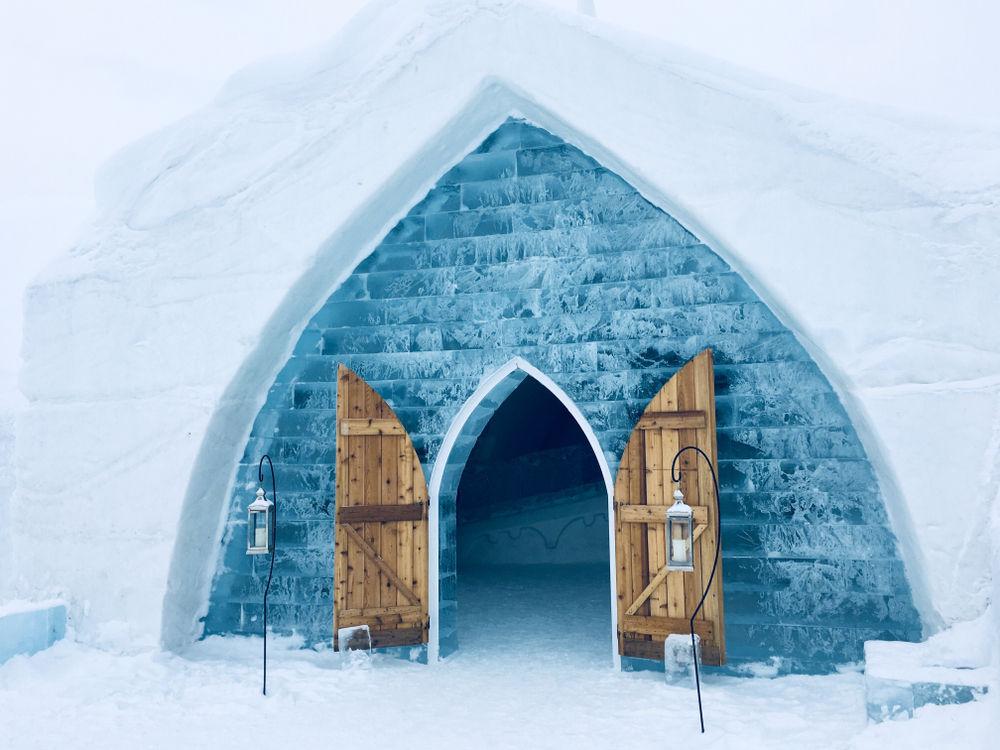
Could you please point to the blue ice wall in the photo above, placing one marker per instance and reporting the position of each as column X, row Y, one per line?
column 530, row 248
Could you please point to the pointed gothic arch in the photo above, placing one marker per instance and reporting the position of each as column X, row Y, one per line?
column 455, row 450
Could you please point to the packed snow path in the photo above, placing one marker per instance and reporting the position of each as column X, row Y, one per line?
column 528, row 676
column 534, row 618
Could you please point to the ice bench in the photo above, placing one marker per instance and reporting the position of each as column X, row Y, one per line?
column 951, row 667
column 30, row 627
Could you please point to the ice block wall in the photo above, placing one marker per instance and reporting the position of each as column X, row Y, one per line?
column 529, row 248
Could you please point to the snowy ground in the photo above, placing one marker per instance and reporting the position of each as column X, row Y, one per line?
column 528, row 676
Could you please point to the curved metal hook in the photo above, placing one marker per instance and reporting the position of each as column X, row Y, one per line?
column 274, row 543
column 676, row 477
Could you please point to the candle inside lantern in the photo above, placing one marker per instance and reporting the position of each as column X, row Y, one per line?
column 260, row 536
column 679, row 550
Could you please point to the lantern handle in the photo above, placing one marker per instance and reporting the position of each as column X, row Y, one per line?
column 274, row 541
column 676, row 477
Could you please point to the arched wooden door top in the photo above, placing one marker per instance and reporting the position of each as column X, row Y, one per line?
column 381, row 569
column 653, row 603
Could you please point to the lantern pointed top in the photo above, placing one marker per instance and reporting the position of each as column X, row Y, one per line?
column 679, row 508
column 261, row 503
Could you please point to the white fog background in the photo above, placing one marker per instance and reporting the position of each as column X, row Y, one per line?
column 79, row 80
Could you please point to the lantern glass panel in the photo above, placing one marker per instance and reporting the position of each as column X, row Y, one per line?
column 258, row 536
column 680, row 552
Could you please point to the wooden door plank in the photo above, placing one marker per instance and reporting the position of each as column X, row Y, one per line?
column 653, row 650
column 683, row 584
column 390, row 531
column 689, row 468
column 711, row 656
column 705, row 399
column 406, row 611
column 391, row 638
column 421, row 575
column 675, row 582
column 388, row 618
column 401, row 637
column 375, row 579
column 637, row 534
column 663, row 626
column 639, row 649
column 378, row 622
column 356, row 495
column 342, row 556
column 678, row 420
column 657, row 514
column 696, row 585
column 380, row 513
column 701, row 485
column 404, row 497
column 666, row 402
column 686, row 583
column 371, row 426
column 689, row 593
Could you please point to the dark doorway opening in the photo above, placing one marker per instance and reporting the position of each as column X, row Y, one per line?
column 532, row 534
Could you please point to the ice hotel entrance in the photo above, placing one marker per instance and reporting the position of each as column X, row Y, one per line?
column 530, row 266
column 523, row 501
column 522, row 509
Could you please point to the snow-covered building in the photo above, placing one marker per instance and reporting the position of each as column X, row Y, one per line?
column 516, row 226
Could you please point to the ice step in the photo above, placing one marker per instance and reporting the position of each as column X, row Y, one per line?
column 951, row 667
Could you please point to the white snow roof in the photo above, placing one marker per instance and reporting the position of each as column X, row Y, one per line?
column 149, row 347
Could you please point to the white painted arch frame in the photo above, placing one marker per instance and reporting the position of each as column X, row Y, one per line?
column 437, row 475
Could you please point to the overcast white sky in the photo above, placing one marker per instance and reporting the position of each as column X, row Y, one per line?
column 78, row 80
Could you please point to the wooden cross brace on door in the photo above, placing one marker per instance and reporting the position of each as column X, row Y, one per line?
column 376, row 558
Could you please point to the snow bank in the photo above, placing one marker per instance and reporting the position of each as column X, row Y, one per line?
column 149, row 347
column 953, row 666
column 526, row 677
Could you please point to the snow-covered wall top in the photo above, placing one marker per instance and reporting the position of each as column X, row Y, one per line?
column 149, row 347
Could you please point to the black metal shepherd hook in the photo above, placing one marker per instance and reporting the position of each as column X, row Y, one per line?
column 274, row 544
column 676, row 477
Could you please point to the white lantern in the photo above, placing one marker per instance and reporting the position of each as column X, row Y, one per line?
column 680, row 522
column 259, row 525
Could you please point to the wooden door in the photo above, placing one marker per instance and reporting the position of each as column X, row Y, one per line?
column 380, row 576
column 653, row 603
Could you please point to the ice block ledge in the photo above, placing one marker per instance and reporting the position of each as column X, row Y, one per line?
column 901, row 677
column 30, row 627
